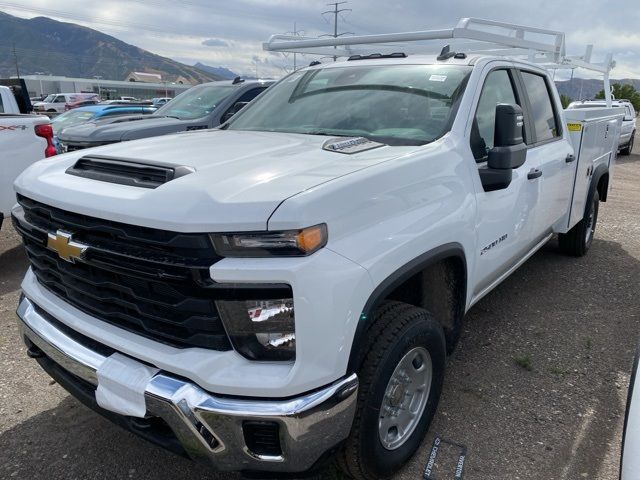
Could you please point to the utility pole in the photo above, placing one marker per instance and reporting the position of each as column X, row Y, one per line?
column 295, row 33
column 336, row 10
column 15, row 58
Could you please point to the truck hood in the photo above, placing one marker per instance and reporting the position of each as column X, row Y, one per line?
column 127, row 128
column 239, row 178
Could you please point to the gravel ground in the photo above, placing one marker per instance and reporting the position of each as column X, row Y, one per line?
column 536, row 388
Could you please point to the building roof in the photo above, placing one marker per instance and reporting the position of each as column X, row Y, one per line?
column 143, row 77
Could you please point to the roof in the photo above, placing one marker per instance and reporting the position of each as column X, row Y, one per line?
column 102, row 108
column 145, row 77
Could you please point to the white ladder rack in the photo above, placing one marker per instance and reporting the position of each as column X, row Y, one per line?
column 537, row 45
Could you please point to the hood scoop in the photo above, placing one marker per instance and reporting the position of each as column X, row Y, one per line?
column 126, row 172
column 350, row 145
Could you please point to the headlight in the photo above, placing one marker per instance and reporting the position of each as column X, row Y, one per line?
column 260, row 329
column 293, row 243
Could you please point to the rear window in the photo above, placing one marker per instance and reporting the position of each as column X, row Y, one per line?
column 544, row 117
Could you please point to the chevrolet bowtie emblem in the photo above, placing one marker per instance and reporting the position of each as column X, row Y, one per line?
column 62, row 243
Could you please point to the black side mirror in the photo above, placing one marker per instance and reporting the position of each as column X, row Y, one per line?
column 509, row 149
column 233, row 110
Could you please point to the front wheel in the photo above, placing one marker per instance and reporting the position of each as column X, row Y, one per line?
column 577, row 241
column 400, row 384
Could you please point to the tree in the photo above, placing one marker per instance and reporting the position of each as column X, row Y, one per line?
column 565, row 100
column 623, row 91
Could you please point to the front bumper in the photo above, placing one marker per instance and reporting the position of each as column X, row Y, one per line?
column 208, row 428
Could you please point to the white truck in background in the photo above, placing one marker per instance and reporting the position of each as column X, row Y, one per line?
column 286, row 287
column 24, row 139
column 628, row 129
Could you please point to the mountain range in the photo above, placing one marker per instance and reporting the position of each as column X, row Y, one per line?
column 586, row 89
column 43, row 45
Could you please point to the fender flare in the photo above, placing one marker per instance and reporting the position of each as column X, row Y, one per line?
column 600, row 170
column 389, row 284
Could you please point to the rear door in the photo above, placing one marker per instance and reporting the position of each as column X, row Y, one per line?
column 628, row 124
column 550, row 150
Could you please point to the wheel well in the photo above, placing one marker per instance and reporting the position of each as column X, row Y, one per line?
column 603, row 186
column 435, row 280
column 439, row 288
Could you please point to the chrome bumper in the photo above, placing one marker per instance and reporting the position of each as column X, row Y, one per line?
column 209, row 427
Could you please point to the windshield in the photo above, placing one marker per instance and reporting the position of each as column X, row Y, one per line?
column 49, row 98
column 69, row 119
column 394, row 104
column 195, row 102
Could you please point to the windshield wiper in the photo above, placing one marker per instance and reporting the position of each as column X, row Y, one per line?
column 328, row 134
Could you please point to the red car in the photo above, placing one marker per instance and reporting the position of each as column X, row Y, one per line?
column 82, row 100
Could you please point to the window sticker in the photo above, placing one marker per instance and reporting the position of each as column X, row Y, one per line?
column 437, row 78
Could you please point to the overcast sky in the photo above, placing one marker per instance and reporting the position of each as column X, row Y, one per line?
column 230, row 33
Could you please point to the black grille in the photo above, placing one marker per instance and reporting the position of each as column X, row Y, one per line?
column 125, row 172
column 151, row 282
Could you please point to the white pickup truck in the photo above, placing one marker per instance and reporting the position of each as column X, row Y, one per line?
column 286, row 287
column 24, row 139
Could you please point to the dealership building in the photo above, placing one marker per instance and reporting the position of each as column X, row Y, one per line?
column 107, row 89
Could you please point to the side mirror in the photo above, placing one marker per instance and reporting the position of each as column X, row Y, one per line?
column 509, row 149
column 233, row 110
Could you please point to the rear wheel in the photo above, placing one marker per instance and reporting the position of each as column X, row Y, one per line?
column 577, row 241
column 400, row 384
column 627, row 150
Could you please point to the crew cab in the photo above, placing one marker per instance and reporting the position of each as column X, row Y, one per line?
column 287, row 287
column 201, row 107
column 24, row 139
column 628, row 129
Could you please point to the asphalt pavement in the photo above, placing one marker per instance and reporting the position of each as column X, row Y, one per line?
column 535, row 390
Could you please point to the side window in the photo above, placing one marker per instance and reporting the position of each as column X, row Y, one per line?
column 542, row 111
column 497, row 88
column 245, row 97
column 60, row 99
column 1, row 105
column 251, row 94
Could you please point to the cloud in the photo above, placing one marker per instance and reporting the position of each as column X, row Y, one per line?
column 242, row 25
column 215, row 42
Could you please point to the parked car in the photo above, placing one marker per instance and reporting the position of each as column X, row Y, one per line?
column 158, row 102
column 24, row 139
column 82, row 102
column 56, row 102
column 94, row 112
column 201, row 107
column 630, row 458
column 628, row 133
column 285, row 287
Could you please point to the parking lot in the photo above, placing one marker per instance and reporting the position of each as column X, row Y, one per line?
column 536, row 389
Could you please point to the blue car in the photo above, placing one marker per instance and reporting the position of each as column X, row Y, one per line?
column 93, row 113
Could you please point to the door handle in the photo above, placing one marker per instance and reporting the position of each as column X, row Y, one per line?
column 534, row 173
column 570, row 158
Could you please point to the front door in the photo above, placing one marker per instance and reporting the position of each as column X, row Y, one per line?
column 506, row 217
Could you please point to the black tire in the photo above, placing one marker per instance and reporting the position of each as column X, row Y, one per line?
column 51, row 110
column 627, row 150
column 576, row 242
column 397, row 329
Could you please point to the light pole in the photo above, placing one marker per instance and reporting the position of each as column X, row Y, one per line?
column 40, row 79
column 98, row 77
